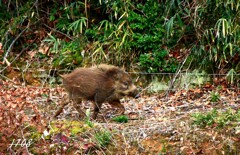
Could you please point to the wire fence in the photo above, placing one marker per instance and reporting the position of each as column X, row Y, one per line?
column 180, row 90
column 181, row 73
column 147, row 82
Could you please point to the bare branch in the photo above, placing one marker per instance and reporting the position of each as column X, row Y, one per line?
column 10, row 47
column 58, row 31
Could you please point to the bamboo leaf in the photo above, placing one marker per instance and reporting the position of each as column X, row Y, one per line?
column 230, row 75
column 224, row 52
column 231, row 49
column 123, row 39
column 169, row 26
column 223, row 29
column 215, row 53
column 125, row 13
column 121, row 25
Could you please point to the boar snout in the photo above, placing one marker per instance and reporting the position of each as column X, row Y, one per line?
column 134, row 92
column 137, row 96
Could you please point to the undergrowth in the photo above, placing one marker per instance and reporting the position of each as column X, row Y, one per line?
column 216, row 118
column 152, row 36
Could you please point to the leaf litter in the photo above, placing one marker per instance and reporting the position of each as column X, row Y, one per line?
column 158, row 123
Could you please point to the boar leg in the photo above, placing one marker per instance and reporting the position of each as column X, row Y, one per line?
column 77, row 106
column 60, row 109
column 117, row 104
column 96, row 108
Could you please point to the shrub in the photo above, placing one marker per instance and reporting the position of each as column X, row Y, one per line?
column 156, row 62
column 218, row 119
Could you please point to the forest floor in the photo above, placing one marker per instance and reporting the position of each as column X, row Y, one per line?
column 181, row 122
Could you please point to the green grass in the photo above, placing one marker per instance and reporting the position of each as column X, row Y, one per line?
column 103, row 138
column 216, row 118
column 120, row 119
column 214, row 96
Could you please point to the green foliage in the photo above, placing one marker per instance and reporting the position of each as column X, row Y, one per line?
column 214, row 96
column 156, row 62
column 125, row 32
column 4, row 16
column 72, row 18
column 103, row 138
column 88, row 119
column 78, row 25
column 213, row 44
column 111, row 36
column 120, row 119
column 232, row 77
column 66, row 53
column 204, row 120
column 146, row 22
column 13, row 22
column 139, row 28
column 215, row 118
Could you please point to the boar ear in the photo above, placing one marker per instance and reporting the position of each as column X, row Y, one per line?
column 114, row 72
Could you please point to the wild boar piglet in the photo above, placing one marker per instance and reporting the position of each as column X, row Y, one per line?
column 102, row 83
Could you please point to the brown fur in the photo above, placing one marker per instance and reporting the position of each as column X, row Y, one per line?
column 102, row 83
